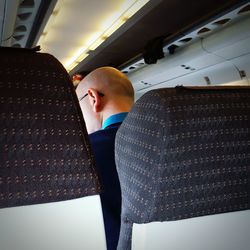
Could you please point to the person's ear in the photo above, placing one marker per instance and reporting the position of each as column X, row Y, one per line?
column 94, row 99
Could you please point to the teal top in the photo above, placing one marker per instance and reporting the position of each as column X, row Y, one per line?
column 117, row 118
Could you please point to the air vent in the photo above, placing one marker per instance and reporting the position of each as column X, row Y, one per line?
column 185, row 40
column 18, row 37
column 203, row 30
column 139, row 64
column 134, row 67
column 245, row 9
column 24, row 16
column 222, row 21
column 16, row 45
column 20, row 28
column 27, row 4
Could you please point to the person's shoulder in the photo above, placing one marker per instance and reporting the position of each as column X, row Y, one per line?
column 103, row 135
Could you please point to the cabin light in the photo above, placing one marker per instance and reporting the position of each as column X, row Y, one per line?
column 94, row 40
column 137, row 5
column 80, row 53
column 129, row 12
column 95, row 37
column 115, row 26
column 96, row 43
column 72, row 65
column 81, row 57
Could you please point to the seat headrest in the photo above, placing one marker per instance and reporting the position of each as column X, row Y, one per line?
column 183, row 153
column 45, row 153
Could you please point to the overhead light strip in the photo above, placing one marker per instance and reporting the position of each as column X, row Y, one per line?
column 82, row 53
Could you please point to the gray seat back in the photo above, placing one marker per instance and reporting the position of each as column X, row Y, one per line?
column 45, row 153
column 183, row 153
column 45, row 157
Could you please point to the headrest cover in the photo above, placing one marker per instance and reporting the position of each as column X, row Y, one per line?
column 183, row 153
column 45, row 153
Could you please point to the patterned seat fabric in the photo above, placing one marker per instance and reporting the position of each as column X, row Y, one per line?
column 183, row 153
column 45, row 155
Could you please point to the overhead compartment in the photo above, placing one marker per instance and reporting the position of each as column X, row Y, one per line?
column 222, row 73
column 231, row 42
column 8, row 13
column 186, row 61
column 221, row 56
column 17, row 20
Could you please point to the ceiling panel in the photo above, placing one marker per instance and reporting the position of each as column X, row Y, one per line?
column 168, row 18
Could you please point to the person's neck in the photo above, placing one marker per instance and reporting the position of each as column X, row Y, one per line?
column 113, row 112
column 113, row 108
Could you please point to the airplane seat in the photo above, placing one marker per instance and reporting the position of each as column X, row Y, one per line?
column 49, row 186
column 182, row 157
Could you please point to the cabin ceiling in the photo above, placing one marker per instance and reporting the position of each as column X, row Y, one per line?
column 165, row 19
column 23, row 23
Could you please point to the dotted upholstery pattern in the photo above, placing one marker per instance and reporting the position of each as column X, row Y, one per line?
column 45, row 155
column 182, row 153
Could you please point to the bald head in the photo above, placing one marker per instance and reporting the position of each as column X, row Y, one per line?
column 109, row 92
column 110, row 81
